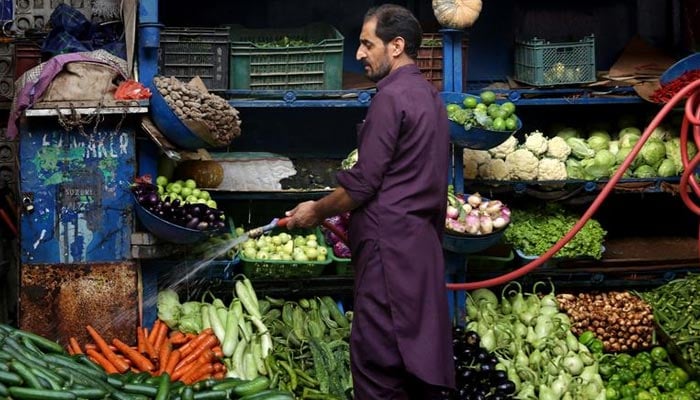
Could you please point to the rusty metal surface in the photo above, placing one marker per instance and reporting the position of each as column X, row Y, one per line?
column 58, row 300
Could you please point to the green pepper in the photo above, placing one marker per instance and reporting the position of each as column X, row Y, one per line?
column 626, row 375
column 638, row 366
column 606, row 370
column 655, row 392
column 680, row 375
column 596, row 346
column 670, row 384
column 586, row 338
column 627, row 391
column 622, row 359
column 658, row 353
column 646, row 380
column 682, row 395
column 660, row 375
column 611, row 393
column 692, row 387
column 644, row 395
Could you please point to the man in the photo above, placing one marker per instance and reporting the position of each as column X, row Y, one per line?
column 400, row 343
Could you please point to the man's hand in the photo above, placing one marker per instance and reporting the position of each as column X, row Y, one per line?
column 304, row 215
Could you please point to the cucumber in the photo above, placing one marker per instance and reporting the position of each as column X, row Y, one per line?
column 24, row 393
column 10, row 378
column 163, row 387
column 256, row 385
column 269, row 394
column 27, row 376
column 3, row 390
column 211, row 395
column 138, row 388
column 187, row 393
column 72, row 364
column 41, row 342
column 89, row 393
column 228, row 384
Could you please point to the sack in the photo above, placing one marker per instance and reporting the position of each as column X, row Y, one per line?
column 83, row 81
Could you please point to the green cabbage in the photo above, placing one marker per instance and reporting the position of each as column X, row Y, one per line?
column 169, row 307
column 574, row 169
column 673, row 152
column 579, row 148
column 568, row 132
column 645, row 171
column 598, row 140
column 653, row 151
column 667, row 168
column 629, row 139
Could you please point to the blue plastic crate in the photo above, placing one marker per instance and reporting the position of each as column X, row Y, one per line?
column 541, row 63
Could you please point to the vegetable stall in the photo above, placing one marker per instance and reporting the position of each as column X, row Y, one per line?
column 231, row 306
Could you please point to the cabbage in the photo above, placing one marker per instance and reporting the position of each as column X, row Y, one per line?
column 169, row 308
column 568, row 132
column 614, row 146
column 673, row 152
column 191, row 307
column 661, row 133
column 667, row 168
column 653, row 151
column 574, row 169
column 598, row 140
column 579, row 148
column 191, row 323
column 629, row 139
column 600, row 166
column 645, row 171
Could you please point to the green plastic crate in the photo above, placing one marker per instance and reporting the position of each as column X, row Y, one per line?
column 343, row 266
column 255, row 66
column 541, row 63
column 281, row 269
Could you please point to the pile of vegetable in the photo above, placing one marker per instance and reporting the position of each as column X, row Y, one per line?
column 33, row 367
column 284, row 246
column 483, row 112
column 475, row 369
column 622, row 320
column 534, row 230
column 534, row 344
column 646, row 375
column 195, row 105
column 569, row 154
column 296, row 346
column 350, row 160
column 340, row 222
column 474, row 215
column 168, row 204
column 676, row 308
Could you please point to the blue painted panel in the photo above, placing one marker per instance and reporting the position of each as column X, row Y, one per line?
column 80, row 188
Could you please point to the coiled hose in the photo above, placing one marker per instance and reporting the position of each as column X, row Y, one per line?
column 691, row 120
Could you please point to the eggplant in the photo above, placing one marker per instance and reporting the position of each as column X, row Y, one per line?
column 506, row 387
column 202, row 226
column 471, row 338
column 192, row 223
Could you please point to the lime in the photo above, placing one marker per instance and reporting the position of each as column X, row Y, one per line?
column 488, row 97
column 511, row 123
column 499, row 124
column 481, row 106
column 470, row 102
column 452, row 108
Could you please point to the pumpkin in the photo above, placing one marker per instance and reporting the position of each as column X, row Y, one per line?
column 207, row 173
column 457, row 14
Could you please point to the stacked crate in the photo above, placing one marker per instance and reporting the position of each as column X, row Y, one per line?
column 8, row 163
column 35, row 14
column 7, row 72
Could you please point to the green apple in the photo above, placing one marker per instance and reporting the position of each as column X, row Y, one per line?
column 190, row 183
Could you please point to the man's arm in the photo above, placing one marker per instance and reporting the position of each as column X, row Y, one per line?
column 312, row 213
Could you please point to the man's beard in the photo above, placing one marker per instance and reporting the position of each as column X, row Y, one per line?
column 382, row 71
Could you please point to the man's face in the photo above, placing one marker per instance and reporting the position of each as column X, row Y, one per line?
column 372, row 53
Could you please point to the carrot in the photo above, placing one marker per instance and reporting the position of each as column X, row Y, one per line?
column 150, row 350
column 102, row 361
column 202, row 348
column 191, row 370
column 161, row 335
column 75, row 345
column 94, row 347
column 70, row 350
column 172, row 362
column 219, row 375
column 154, row 330
column 140, row 340
column 163, row 356
column 189, row 346
column 217, row 351
column 198, row 373
column 140, row 362
column 120, row 365
column 177, row 337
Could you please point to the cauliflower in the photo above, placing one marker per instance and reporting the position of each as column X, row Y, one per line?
column 505, row 148
column 471, row 168
column 494, row 168
column 536, row 143
column 480, row 156
column 522, row 164
column 551, row 169
column 558, row 148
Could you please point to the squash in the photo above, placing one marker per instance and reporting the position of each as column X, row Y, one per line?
column 207, row 173
column 457, row 14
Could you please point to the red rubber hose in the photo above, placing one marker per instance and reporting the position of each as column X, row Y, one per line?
column 692, row 117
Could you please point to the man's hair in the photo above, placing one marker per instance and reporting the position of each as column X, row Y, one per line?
column 393, row 21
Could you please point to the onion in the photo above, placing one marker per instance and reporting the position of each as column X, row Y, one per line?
column 494, row 207
column 467, row 208
column 499, row 222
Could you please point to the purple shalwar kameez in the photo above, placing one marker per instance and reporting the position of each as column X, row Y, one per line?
column 401, row 328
